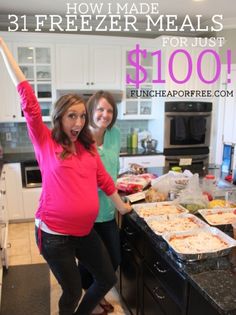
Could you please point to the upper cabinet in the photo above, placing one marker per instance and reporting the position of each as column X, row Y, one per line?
column 135, row 105
column 36, row 64
column 90, row 67
column 229, row 106
column 191, row 65
column 9, row 111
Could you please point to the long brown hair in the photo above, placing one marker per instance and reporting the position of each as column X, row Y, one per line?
column 93, row 103
column 58, row 134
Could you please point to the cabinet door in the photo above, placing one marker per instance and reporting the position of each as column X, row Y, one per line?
column 36, row 63
column 130, row 277
column 180, row 67
column 14, row 191
column 30, row 201
column 137, row 106
column 229, row 129
column 9, row 110
column 156, row 300
column 105, row 67
column 72, row 70
column 3, row 201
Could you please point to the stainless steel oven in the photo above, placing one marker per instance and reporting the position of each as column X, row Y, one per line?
column 187, row 124
column 31, row 174
column 187, row 134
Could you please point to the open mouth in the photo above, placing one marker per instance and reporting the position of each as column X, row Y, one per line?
column 75, row 133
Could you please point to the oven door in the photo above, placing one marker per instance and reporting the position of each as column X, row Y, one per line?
column 187, row 129
column 198, row 162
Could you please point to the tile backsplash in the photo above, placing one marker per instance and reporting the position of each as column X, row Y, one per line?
column 14, row 136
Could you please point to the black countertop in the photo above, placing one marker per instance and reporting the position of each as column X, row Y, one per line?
column 214, row 278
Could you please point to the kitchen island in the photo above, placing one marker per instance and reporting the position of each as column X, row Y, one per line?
column 153, row 280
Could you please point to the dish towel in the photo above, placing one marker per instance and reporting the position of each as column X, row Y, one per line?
column 197, row 127
column 180, row 128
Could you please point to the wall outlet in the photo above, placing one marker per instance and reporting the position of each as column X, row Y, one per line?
column 8, row 136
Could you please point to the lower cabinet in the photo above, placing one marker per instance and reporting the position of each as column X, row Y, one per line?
column 149, row 285
column 131, row 265
column 156, row 300
column 19, row 203
column 30, row 201
column 130, row 277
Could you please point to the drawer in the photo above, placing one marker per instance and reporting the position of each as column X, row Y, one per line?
column 173, row 281
column 154, row 290
column 145, row 161
column 132, row 233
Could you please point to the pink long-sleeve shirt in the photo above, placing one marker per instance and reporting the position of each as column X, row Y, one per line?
column 69, row 201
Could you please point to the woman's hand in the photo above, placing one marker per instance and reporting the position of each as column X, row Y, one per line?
column 121, row 206
column 126, row 208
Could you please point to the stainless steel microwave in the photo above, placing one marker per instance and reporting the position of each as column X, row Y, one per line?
column 31, row 174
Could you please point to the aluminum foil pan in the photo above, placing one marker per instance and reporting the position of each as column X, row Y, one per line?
column 219, row 216
column 163, row 224
column 145, row 210
column 202, row 248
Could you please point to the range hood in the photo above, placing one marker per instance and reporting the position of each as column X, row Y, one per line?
column 117, row 94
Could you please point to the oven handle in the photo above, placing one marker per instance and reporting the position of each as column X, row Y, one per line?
column 202, row 114
column 204, row 157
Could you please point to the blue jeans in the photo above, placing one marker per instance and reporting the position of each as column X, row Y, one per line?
column 60, row 252
column 109, row 233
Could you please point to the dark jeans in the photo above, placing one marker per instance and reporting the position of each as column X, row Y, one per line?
column 109, row 233
column 61, row 252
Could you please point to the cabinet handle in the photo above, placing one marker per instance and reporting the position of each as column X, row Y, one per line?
column 14, row 116
column 155, row 292
column 92, row 83
column 156, row 265
column 126, row 247
column 128, row 232
column 87, row 83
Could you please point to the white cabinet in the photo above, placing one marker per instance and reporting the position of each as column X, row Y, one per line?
column 14, row 198
column 30, row 201
column 3, row 224
column 9, row 110
column 229, row 129
column 181, row 67
column 84, row 66
column 19, row 203
column 133, row 106
column 3, row 201
column 36, row 62
column 145, row 161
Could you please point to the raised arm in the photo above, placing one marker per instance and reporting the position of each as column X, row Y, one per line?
column 12, row 66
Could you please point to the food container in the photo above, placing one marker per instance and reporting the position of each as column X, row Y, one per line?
column 209, row 183
column 219, row 216
column 174, row 223
column 208, row 235
column 234, row 229
column 158, row 208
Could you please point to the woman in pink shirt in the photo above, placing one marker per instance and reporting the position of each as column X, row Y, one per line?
column 72, row 172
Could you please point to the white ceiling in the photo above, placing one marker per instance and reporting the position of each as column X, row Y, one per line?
column 206, row 8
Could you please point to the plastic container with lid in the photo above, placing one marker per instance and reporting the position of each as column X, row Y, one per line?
column 209, row 183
